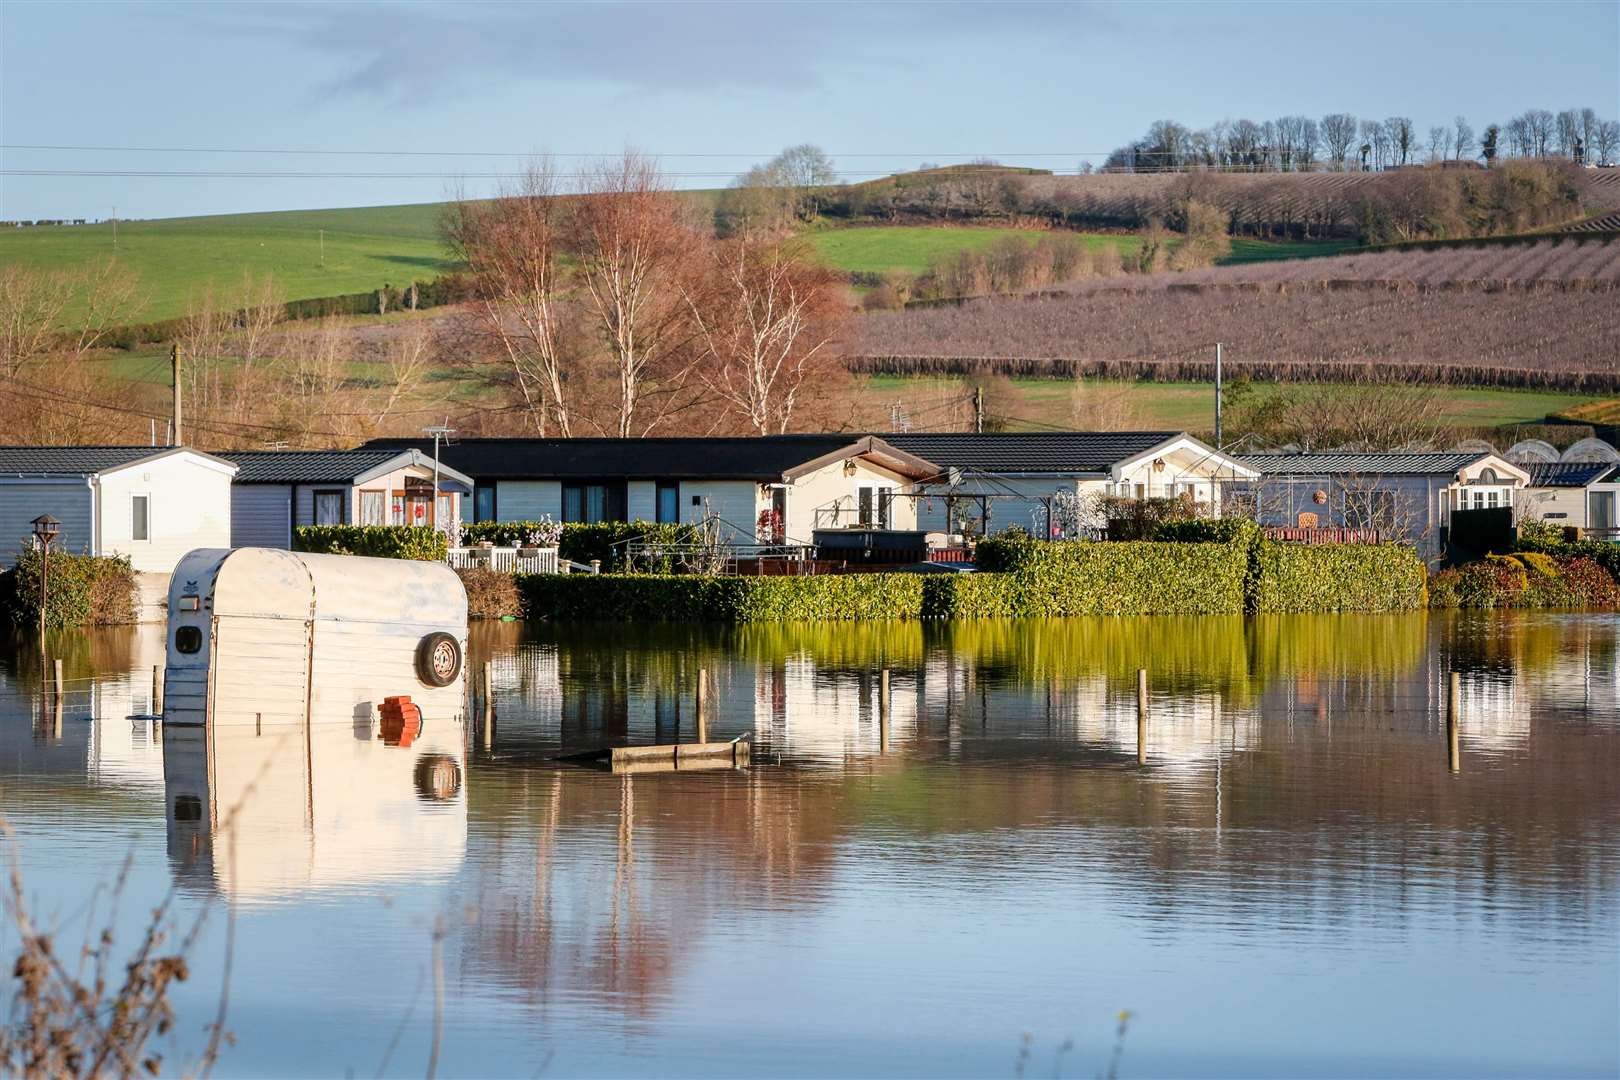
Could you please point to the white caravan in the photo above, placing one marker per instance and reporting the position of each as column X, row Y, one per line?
column 262, row 638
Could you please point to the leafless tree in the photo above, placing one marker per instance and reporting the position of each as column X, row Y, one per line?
column 1608, row 141
column 1462, row 138
column 31, row 307
column 1338, row 133
column 1401, row 137
column 768, row 325
column 1439, row 143
column 511, row 247
column 637, row 251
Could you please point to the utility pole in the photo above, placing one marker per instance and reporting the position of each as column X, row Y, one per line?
column 978, row 410
column 438, row 431
column 177, row 438
column 115, row 226
column 323, row 246
column 1218, row 402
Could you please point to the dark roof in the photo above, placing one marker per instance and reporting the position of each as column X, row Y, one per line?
column 307, row 466
column 71, row 460
column 1400, row 462
column 1567, row 473
column 1030, row 452
column 764, row 457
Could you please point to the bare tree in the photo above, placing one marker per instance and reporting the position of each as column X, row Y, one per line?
column 1338, row 134
column 1462, row 138
column 1401, row 137
column 636, row 250
column 511, row 247
column 1439, row 143
column 771, row 319
column 1608, row 141
column 31, row 307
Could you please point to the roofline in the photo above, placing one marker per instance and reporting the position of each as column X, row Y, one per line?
column 867, row 446
column 412, row 456
column 1240, row 470
column 208, row 459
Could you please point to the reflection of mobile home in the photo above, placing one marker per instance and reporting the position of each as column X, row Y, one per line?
column 261, row 813
column 260, row 637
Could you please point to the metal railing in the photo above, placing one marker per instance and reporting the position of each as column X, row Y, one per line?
column 1295, row 534
column 723, row 558
column 506, row 560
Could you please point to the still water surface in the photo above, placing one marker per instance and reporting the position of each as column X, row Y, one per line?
column 1295, row 883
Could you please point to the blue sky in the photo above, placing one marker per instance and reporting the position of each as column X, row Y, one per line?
column 880, row 86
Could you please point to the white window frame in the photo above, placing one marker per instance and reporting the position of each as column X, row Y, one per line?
column 133, row 496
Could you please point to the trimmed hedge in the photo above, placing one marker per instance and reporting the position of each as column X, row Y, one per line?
column 422, row 542
column 690, row 598
column 85, row 590
column 1336, row 577
column 583, row 542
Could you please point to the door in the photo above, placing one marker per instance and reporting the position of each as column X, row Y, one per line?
column 1600, row 510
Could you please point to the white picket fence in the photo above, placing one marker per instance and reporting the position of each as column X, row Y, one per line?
column 508, row 560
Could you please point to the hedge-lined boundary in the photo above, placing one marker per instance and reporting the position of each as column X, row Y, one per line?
column 422, row 542
column 690, row 598
column 85, row 590
column 1336, row 577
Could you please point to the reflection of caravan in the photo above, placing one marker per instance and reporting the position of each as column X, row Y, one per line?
column 264, row 813
column 263, row 637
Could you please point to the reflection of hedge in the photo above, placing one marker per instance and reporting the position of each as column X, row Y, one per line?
column 583, row 542
column 422, row 542
column 1336, row 577
column 655, row 598
column 84, row 590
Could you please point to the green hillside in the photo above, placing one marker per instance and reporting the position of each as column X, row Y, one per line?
column 174, row 258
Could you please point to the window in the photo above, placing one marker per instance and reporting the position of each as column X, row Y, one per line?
column 668, row 508
column 1369, row 509
column 140, row 517
column 863, row 502
column 329, row 508
column 593, row 502
column 444, row 511
column 373, row 508
column 188, row 639
column 873, row 505
column 484, row 502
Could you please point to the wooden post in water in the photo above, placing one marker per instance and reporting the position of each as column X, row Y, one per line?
column 883, row 712
column 1453, row 748
column 157, row 690
column 703, row 705
column 1141, row 715
column 56, row 725
column 489, row 705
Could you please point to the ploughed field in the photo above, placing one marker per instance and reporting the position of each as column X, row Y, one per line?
column 1540, row 314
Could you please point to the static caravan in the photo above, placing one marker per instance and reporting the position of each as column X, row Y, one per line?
column 261, row 637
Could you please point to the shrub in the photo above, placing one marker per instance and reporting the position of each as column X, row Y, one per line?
column 422, row 542
column 1483, row 584
column 690, row 598
column 85, row 590
column 1336, row 577
column 1087, row 578
column 1549, row 540
column 490, row 593
column 1207, row 531
column 1589, row 584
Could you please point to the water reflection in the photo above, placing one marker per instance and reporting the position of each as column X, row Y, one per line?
column 1296, row 839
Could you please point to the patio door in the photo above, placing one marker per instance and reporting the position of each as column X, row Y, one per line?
column 1600, row 509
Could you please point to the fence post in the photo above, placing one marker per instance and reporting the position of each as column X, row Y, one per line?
column 489, row 705
column 157, row 690
column 1453, row 747
column 883, row 712
column 1141, row 715
column 702, row 705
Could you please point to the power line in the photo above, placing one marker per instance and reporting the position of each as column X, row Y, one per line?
column 504, row 153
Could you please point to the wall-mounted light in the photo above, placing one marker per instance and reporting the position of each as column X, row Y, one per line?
column 849, row 467
column 1158, row 464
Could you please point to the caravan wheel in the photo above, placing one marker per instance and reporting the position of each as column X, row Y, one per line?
column 438, row 659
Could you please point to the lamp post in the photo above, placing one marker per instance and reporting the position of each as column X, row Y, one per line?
column 45, row 530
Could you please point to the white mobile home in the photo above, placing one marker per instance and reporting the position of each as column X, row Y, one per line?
column 152, row 504
column 279, row 490
column 1014, row 476
column 1572, row 493
column 265, row 637
column 1410, row 493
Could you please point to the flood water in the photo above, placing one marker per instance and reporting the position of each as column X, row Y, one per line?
column 1295, row 883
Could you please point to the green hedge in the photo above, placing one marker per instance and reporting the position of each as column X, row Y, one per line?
column 1549, row 540
column 85, row 590
column 581, row 542
column 691, row 598
column 1526, row 580
column 1336, row 577
column 422, row 542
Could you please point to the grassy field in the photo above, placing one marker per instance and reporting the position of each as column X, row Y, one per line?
column 178, row 257
column 876, row 248
column 1191, row 406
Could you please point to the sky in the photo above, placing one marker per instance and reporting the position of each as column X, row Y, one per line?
column 470, row 89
